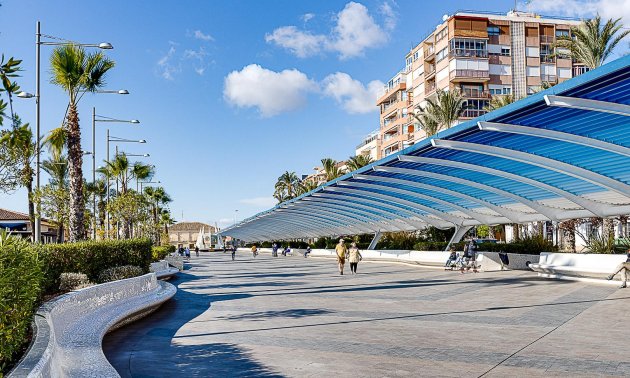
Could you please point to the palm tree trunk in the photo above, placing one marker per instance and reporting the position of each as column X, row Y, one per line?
column 75, row 173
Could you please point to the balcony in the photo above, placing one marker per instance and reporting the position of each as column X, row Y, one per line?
column 476, row 75
column 473, row 113
column 544, row 58
column 429, row 88
column 474, row 93
column 429, row 54
column 578, row 70
column 547, row 39
column 549, row 79
column 391, row 136
column 428, row 74
column 468, row 53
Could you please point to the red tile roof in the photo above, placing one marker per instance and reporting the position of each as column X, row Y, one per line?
column 12, row 215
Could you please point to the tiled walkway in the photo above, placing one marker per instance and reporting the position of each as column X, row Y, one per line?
column 296, row 317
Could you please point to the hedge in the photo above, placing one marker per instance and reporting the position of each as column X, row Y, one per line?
column 92, row 257
column 160, row 252
column 20, row 279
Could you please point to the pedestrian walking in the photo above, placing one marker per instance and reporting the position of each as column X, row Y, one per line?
column 341, row 252
column 196, row 251
column 308, row 250
column 274, row 249
column 187, row 253
column 354, row 256
column 623, row 269
column 233, row 252
column 254, row 250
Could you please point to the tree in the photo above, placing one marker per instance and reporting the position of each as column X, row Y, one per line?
column 127, row 208
column 447, row 107
column 427, row 122
column 141, row 172
column 498, row 102
column 359, row 161
column 592, row 43
column 77, row 73
column 286, row 187
column 306, row 186
column 331, row 171
column 98, row 192
column 54, row 197
column 157, row 197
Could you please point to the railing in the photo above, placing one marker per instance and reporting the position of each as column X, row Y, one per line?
column 473, row 113
column 429, row 89
column 549, row 78
column 578, row 70
column 547, row 58
column 371, row 137
column 547, row 39
column 387, row 137
column 475, row 93
column 430, row 53
column 430, row 72
column 467, row 53
column 470, row 74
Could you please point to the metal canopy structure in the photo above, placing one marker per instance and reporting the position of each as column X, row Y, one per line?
column 559, row 154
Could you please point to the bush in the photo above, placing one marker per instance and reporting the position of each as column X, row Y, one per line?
column 436, row 246
column 92, row 257
column 119, row 273
column 160, row 252
column 20, row 279
column 73, row 281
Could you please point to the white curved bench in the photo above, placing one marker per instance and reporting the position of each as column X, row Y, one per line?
column 162, row 270
column 70, row 328
column 176, row 261
column 578, row 266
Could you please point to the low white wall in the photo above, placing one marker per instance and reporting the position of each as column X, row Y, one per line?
column 490, row 261
column 70, row 328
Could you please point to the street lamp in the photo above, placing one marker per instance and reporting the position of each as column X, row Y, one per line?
column 118, row 140
column 235, row 212
column 38, row 44
column 98, row 118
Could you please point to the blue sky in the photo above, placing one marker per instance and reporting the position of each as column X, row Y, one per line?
column 230, row 94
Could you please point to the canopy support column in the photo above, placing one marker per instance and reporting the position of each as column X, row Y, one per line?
column 377, row 237
column 460, row 231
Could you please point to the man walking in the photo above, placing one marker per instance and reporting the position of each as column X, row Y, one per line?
column 341, row 251
column 623, row 268
column 233, row 252
column 274, row 249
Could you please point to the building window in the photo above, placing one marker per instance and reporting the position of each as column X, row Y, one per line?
column 441, row 34
column 403, row 96
column 505, row 51
column 475, row 108
column 494, row 30
column 416, row 55
column 461, row 47
column 441, row 54
column 562, row 33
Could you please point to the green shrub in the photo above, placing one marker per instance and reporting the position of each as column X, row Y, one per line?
column 436, row 246
column 73, row 281
column 160, row 252
column 92, row 257
column 20, row 280
column 119, row 273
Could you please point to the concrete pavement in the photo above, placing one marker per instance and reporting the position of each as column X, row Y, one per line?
column 296, row 317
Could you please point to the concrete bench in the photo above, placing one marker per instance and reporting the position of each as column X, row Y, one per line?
column 163, row 270
column 578, row 266
column 176, row 261
column 70, row 328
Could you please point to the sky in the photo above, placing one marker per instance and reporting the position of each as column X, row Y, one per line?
column 230, row 94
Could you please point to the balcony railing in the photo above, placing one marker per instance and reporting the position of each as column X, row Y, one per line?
column 475, row 93
column 578, row 70
column 429, row 89
column 473, row 113
column 549, row 78
column 473, row 74
column 547, row 39
column 429, row 54
column 547, row 59
column 468, row 53
column 387, row 137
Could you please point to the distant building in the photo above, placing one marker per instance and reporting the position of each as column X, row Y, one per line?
column 370, row 145
column 184, row 234
column 319, row 176
column 19, row 224
column 481, row 54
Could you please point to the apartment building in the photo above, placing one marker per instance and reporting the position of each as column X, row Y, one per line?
column 370, row 145
column 481, row 54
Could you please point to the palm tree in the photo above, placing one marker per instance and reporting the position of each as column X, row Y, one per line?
column 286, row 186
column 118, row 168
column 427, row 122
column 98, row 190
column 358, row 161
column 77, row 73
column 593, row 43
column 331, row 171
column 157, row 197
column 142, row 172
column 57, row 169
column 306, row 186
column 499, row 101
column 447, row 108
column 166, row 220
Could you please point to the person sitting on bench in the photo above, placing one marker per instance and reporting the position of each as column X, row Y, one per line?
column 623, row 268
column 452, row 259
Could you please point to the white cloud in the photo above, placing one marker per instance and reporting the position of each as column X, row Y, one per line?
column 264, row 202
column 270, row 92
column 354, row 32
column 300, row 43
column 166, row 67
column 204, row 37
column 353, row 96
column 582, row 8
column 307, row 17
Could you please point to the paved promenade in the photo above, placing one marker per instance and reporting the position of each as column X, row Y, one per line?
column 296, row 317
